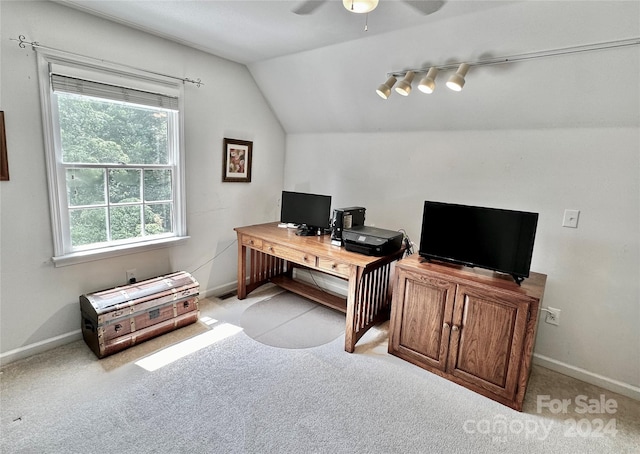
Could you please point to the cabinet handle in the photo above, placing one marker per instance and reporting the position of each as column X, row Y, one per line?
column 446, row 325
column 455, row 328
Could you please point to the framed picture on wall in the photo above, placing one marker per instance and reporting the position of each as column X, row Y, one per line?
column 4, row 163
column 236, row 161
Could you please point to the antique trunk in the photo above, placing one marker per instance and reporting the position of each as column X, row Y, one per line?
column 118, row 318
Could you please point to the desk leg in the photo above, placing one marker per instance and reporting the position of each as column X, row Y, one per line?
column 262, row 268
column 368, row 302
column 350, row 338
column 242, row 270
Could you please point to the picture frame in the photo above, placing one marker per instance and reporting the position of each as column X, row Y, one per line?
column 4, row 163
column 236, row 161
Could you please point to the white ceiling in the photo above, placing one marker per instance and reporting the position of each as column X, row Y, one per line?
column 319, row 72
column 251, row 31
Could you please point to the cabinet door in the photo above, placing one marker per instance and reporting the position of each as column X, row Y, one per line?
column 421, row 308
column 487, row 339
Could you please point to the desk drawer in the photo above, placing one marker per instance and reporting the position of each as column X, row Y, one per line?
column 252, row 242
column 293, row 255
column 334, row 267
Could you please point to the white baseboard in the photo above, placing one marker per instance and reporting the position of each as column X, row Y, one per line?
column 39, row 347
column 323, row 281
column 220, row 290
column 588, row 377
column 53, row 342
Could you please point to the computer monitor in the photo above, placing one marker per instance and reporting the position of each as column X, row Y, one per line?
column 310, row 212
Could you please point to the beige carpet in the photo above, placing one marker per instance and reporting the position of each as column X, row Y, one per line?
column 216, row 390
column 287, row 320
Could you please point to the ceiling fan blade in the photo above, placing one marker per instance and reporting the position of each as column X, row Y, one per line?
column 425, row 6
column 308, row 7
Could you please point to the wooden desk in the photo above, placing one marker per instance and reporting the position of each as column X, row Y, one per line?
column 273, row 252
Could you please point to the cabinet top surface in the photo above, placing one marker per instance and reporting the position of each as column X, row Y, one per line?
column 319, row 245
column 532, row 286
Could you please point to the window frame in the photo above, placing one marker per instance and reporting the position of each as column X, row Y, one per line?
column 64, row 253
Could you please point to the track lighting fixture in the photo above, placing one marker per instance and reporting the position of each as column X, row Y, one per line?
column 404, row 86
column 428, row 83
column 384, row 90
column 456, row 81
column 360, row 6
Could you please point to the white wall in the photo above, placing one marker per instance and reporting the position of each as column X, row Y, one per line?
column 39, row 302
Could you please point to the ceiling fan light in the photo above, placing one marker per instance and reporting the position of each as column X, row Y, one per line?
column 456, row 81
column 428, row 83
column 360, row 6
column 384, row 90
column 404, row 86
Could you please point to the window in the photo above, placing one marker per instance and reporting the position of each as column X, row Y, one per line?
column 114, row 160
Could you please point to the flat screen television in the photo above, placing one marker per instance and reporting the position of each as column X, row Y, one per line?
column 492, row 238
column 310, row 212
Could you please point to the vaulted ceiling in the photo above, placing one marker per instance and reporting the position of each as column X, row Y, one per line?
column 319, row 71
column 249, row 31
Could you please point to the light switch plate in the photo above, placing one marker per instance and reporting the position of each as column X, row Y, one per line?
column 571, row 218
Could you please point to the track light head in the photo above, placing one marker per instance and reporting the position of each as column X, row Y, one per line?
column 456, row 81
column 384, row 90
column 404, row 86
column 360, row 6
column 428, row 83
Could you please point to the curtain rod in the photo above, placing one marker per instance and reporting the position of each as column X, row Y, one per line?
column 528, row 56
column 36, row 45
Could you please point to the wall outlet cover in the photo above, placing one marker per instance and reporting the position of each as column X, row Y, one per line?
column 570, row 218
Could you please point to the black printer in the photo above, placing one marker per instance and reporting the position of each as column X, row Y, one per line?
column 371, row 240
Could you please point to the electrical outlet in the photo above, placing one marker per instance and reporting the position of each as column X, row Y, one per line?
column 131, row 276
column 553, row 316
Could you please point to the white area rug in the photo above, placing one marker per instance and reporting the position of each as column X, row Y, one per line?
column 287, row 320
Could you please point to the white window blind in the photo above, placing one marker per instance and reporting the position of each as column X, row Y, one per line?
column 67, row 84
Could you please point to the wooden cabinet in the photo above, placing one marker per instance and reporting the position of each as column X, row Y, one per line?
column 470, row 326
